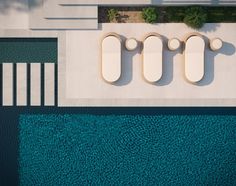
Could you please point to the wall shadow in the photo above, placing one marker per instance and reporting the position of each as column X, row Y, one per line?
column 228, row 49
column 127, row 64
column 100, row 26
column 209, row 68
column 157, row 2
column 210, row 27
column 168, row 64
column 168, row 68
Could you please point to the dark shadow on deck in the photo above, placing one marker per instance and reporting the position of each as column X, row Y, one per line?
column 20, row 5
column 228, row 49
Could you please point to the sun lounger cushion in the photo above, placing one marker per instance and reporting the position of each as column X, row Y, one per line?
column 111, row 58
column 152, row 58
column 194, row 58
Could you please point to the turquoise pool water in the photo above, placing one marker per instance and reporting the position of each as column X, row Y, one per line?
column 28, row 50
column 127, row 149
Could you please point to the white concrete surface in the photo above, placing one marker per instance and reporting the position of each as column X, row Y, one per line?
column 49, row 84
column 63, row 24
column 35, row 84
column 21, row 84
column 81, row 84
column 7, row 88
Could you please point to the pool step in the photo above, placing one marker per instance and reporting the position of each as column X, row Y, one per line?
column 83, row 14
column 63, row 24
column 49, row 15
column 35, row 84
column 41, row 86
column 49, row 84
column 61, row 12
column 21, row 84
column 7, row 84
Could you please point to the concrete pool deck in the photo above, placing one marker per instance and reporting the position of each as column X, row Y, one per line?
column 80, row 82
column 79, row 76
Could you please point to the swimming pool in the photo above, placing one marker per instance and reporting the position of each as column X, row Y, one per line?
column 28, row 50
column 121, row 149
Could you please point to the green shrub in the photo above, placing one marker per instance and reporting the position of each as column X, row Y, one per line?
column 150, row 15
column 112, row 14
column 195, row 17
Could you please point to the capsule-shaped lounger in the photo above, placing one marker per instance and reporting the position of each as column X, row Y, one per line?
column 152, row 57
column 111, row 57
column 194, row 58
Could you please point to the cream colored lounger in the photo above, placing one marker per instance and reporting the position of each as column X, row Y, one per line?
column 152, row 57
column 111, row 57
column 194, row 58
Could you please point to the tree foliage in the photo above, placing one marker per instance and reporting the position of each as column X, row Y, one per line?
column 195, row 17
column 150, row 15
column 112, row 14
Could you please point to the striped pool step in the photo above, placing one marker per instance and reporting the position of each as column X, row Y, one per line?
column 31, row 86
column 7, row 84
column 49, row 84
column 21, row 84
column 35, row 84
